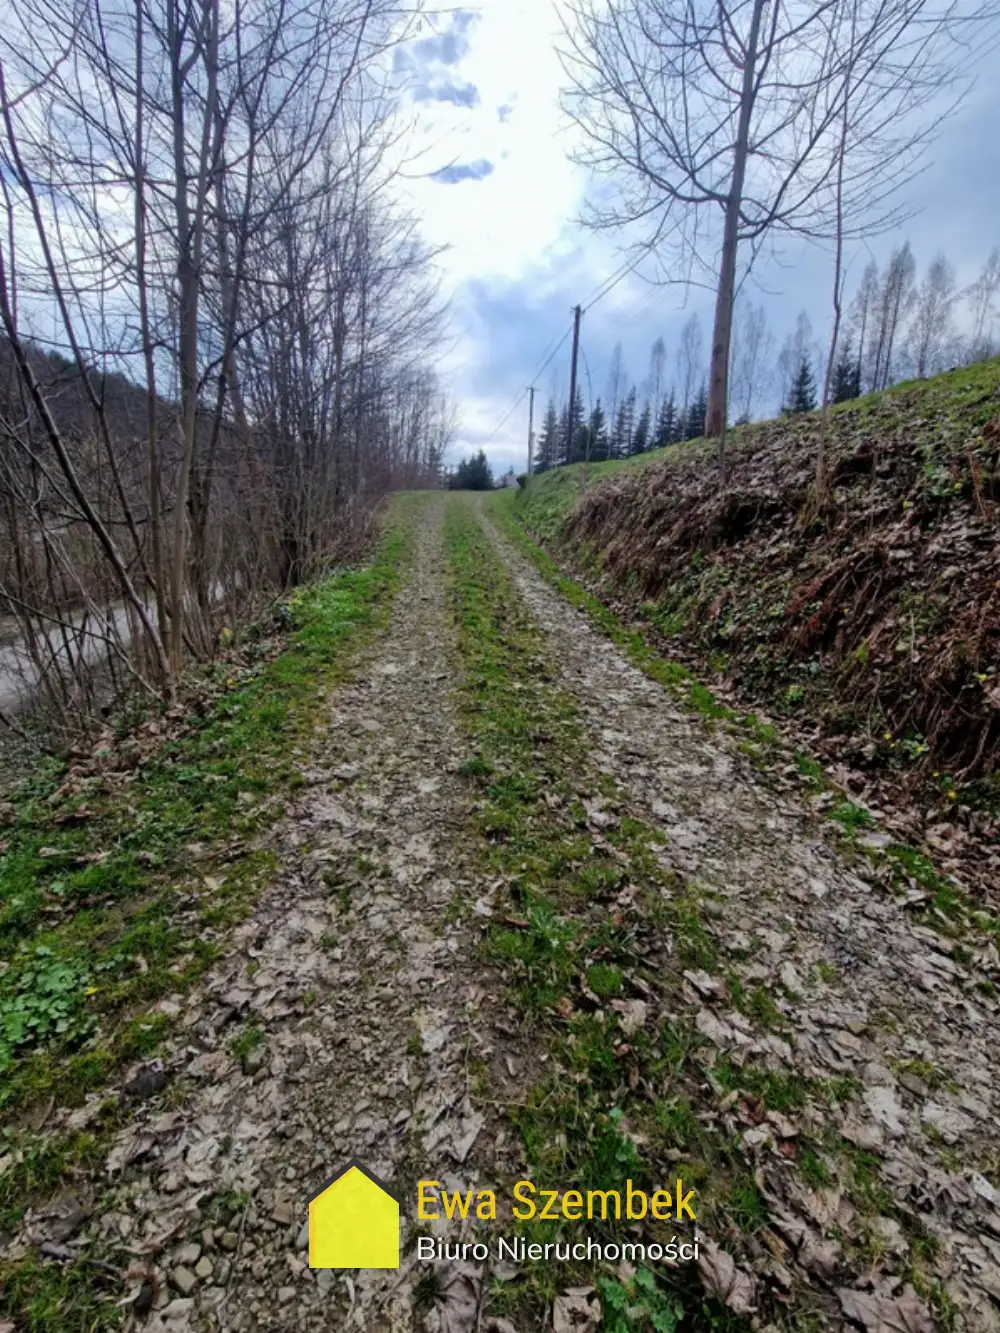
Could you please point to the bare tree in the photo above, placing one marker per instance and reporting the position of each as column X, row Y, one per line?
column 689, row 361
column 654, row 381
column 982, row 300
column 617, row 388
column 931, row 324
column 732, row 112
column 862, row 317
column 201, row 197
column 895, row 300
column 753, row 355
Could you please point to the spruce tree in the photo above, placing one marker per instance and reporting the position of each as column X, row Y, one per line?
column 694, row 425
column 472, row 474
column 597, row 434
column 666, row 422
column 846, row 376
column 802, row 395
column 548, row 440
column 640, row 436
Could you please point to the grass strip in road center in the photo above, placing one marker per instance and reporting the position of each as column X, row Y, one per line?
column 590, row 940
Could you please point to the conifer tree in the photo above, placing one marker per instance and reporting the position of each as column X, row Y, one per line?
column 666, row 422
column 640, row 436
column 846, row 375
column 597, row 434
column 578, row 439
column 548, row 440
column 694, row 425
column 802, row 395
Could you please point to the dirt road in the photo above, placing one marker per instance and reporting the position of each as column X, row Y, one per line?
column 535, row 920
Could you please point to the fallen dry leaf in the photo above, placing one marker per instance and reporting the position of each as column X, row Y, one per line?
column 130, row 1150
column 631, row 1015
column 721, row 1277
column 456, row 1297
column 886, row 1314
column 578, row 1310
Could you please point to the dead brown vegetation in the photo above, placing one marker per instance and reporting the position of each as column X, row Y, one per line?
column 876, row 611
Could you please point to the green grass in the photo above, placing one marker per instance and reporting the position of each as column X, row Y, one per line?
column 947, row 408
column 101, row 916
column 948, row 908
column 563, row 950
column 248, row 1041
column 122, row 906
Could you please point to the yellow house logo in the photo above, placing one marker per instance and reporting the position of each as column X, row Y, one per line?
column 354, row 1221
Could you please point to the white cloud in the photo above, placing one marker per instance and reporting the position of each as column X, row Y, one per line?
column 517, row 261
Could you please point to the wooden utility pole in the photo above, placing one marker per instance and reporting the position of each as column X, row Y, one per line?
column 572, row 383
column 531, row 424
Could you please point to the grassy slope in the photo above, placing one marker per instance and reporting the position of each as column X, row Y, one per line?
column 946, row 905
column 875, row 618
column 119, row 879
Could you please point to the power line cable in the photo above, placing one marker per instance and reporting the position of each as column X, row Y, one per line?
column 524, row 392
column 517, row 403
column 624, row 269
column 555, row 349
column 610, row 283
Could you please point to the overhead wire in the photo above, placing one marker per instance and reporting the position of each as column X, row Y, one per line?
column 609, row 284
column 603, row 288
column 524, row 392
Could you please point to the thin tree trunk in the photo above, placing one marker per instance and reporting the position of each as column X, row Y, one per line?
column 838, row 281
column 190, row 236
column 718, row 389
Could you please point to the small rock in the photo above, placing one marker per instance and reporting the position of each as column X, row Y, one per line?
column 177, row 1311
column 285, row 1294
column 184, row 1280
column 282, row 1213
column 188, row 1254
column 229, row 1240
column 203, row 1268
column 253, row 1061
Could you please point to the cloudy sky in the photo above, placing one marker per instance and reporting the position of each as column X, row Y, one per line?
column 494, row 184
